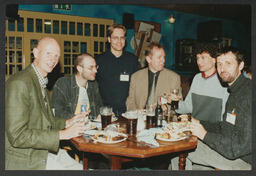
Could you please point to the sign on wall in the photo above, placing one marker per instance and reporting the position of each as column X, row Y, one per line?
column 62, row 6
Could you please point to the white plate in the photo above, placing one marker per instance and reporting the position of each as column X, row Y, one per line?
column 171, row 139
column 102, row 140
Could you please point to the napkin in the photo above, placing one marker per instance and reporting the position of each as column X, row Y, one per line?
column 91, row 125
column 90, row 132
column 148, row 136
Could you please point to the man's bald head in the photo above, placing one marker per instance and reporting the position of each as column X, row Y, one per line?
column 46, row 55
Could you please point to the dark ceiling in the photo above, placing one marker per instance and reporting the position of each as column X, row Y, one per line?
column 240, row 13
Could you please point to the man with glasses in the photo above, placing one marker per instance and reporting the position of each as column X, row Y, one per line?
column 115, row 69
column 79, row 92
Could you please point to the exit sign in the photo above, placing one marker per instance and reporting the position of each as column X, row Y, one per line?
column 62, row 6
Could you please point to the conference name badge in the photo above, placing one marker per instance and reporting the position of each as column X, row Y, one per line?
column 124, row 77
column 231, row 117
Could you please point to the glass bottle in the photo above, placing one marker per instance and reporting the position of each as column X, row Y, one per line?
column 159, row 113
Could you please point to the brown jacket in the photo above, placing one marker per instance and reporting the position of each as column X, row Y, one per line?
column 138, row 92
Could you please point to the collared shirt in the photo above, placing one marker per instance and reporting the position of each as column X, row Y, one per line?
column 204, row 76
column 150, row 79
column 42, row 81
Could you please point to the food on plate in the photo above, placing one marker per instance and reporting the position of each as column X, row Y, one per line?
column 174, row 131
column 110, row 136
column 164, row 135
column 174, row 127
column 167, row 135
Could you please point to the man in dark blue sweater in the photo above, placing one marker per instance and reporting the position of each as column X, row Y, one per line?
column 115, row 68
column 227, row 145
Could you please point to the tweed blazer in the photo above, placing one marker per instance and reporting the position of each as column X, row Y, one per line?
column 138, row 91
column 31, row 131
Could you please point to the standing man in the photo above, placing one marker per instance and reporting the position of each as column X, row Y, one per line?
column 32, row 134
column 79, row 90
column 227, row 145
column 141, row 85
column 206, row 88
column 115, row 69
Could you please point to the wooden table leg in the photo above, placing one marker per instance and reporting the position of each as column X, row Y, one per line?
column 85, row 162
column 116, row 163
column 182, row 161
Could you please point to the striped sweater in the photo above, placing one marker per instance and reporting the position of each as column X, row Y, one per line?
column 206, row 99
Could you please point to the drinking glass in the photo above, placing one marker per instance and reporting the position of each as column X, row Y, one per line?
column 175, row 98
column 131, row 126
column 151, row 118
column 106, row 116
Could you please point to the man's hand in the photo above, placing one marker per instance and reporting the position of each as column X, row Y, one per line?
column 185, row 117
column 193, row 120
column 74, row 130
column 77, row 118
column 172, row 97
column 197, row 129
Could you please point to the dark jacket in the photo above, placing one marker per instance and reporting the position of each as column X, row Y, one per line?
column 234, row 141
column 112, row 90
column 65, row 96
column 31, row 131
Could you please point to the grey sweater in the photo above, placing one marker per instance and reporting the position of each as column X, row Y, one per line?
column 206, row 99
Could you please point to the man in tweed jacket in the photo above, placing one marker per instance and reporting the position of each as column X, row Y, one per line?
column 32, row 134
column 141, row 81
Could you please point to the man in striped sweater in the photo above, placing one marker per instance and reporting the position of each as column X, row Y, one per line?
column 227, row 145
column 207, row 97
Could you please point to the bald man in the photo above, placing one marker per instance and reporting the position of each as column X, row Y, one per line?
column 32, row 134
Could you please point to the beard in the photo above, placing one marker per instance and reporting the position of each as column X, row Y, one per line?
column 228, row 78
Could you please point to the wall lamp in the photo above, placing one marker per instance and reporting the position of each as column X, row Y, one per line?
column 171, row 19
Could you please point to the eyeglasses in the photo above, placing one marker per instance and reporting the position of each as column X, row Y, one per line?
column 118, row 38
column 91, row 67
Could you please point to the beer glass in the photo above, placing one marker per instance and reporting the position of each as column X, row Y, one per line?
column 106, row 116
column 175, row 99
column 151, row 118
